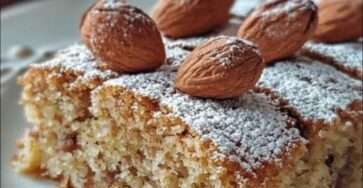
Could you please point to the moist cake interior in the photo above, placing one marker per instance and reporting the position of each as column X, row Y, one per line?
column 300, row 128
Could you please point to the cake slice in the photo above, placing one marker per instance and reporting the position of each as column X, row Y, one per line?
column 328, row 104
column 180, row 141
column 57, row 92
column 138, row 131
column 96, row 128
column 62, row 86
column 347, row 57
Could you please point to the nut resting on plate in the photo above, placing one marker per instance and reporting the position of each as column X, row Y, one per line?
column 122, row 37
column 183, row 18
column 280, row 27
column 223, row 67
column 339, row 20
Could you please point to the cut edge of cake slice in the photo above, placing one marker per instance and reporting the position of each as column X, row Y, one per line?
column 64, row 83
column 71, row 151
column 328, row 104
column 256, row 154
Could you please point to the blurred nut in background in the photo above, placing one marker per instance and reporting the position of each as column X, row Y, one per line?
column 339, row 20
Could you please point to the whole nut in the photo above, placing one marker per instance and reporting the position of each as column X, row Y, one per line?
column 223, row 67
column 339, row 20
column 280, row 27
column 183, row 18
column 122, row 37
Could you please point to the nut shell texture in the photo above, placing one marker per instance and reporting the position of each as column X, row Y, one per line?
column 280, row 27
column 122, row 37
column 223, row 67
column 339, row 20
column 183, row 18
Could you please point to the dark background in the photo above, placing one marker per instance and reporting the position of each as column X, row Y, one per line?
column 4, row 3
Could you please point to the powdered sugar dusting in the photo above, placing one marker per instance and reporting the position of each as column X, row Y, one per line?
column 315, row 90
column 349, row 55
column 286, row 7
column 111, row 14
column 113, row 4
column 232, row 41
column 235, row 48
column 175, row 57
column 242, row 8
column 190, row 43
column 291, row 11
column 186, row 43
column 79, row 59
column 249, row 129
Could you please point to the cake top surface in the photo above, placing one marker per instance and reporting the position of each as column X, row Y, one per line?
column 175, row 56
column 229, row 29
column 250, row 129
column 79, row 59
column 347, row 54
column 187, row 43
column 313, row 89
column 242, row 8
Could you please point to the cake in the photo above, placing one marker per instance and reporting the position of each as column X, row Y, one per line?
column 69, row 100
column 300, row 127
column 162, row 117
column 329, row 106
column 345, row 56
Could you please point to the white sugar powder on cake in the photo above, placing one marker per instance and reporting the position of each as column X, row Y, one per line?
column 79, row 59
column 242, row 8
column 316, row 91
column 249, row 129
column 348, row 55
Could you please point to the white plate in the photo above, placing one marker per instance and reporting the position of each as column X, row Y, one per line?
column 41, row 25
